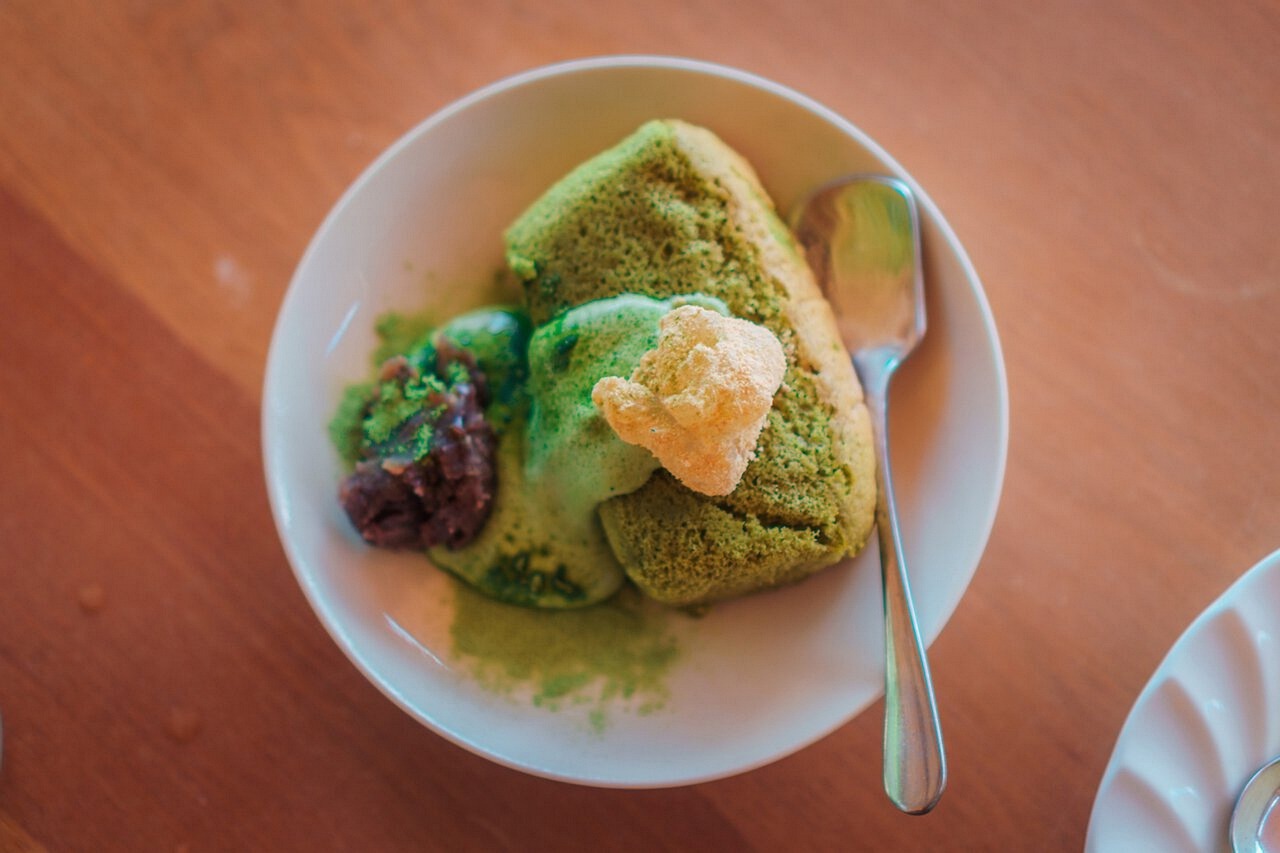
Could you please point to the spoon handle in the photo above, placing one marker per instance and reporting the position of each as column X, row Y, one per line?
column 915, row 766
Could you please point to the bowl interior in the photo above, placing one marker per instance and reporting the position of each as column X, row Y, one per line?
column 760, row 677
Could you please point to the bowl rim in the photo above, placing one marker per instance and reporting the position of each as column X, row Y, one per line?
column 276, row 490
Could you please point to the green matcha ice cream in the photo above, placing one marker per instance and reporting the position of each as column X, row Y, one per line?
column 544, row 544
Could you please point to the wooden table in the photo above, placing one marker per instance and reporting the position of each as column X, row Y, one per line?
column 1111, row 167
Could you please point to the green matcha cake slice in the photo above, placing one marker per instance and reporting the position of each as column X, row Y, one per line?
column 672, row 210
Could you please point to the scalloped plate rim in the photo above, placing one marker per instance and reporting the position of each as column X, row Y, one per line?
column 1266, row 570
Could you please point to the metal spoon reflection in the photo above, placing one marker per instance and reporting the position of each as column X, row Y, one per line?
column 861, row 236
column 1255, row 819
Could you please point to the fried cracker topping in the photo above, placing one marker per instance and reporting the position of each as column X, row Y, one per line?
column 698, row 401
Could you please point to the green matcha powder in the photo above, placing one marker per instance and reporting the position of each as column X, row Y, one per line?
column 615, row 654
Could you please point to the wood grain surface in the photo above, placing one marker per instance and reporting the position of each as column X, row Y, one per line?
column 1110, row 166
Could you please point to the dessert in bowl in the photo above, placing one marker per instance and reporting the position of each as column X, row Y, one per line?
column 754, row 678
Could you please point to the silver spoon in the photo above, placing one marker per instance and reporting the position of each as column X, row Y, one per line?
column 862, row 238
column 1255, row 820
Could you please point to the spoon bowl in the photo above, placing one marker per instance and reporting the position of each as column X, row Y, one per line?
column 861, row 236
column 1255, row 819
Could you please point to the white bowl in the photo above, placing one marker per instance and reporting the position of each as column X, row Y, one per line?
column 760, row 677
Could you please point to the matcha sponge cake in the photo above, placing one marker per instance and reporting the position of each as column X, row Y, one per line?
column 670, row 211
